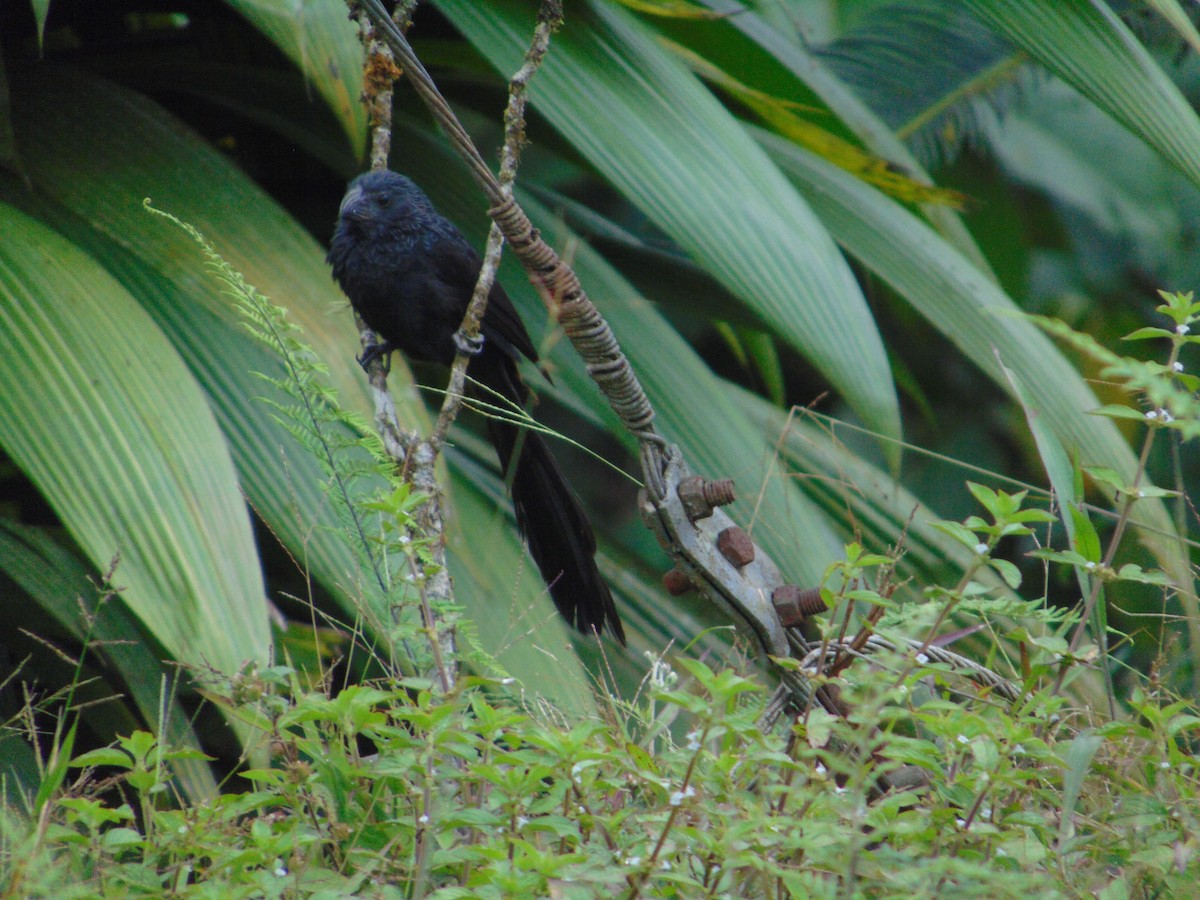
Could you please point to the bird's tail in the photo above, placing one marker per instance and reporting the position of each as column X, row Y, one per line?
column 549, row 514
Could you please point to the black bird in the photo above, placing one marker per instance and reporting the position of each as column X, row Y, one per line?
column 410, row 274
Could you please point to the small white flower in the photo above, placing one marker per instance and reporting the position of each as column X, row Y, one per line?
column 1089, row 565
column 1177, row 366
column 522, row 821
column 981, row 548
column 961, row 823
column 575, row 770
column 661, row 674
column 1139, row 493
column 1166, row 416
column 679, row 796
column 1165, row 764
column 422, row 819
column 1182, row 329
column 634, row 861
column 693, row 740
column 963, row 739
column 840, row 790
column 1152, row 414
column 280, row 872
column 507, row 681
column 922, row 658
column 820, row 769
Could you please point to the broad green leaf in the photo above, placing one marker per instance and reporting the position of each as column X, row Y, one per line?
column 1147, row 333
column 145, row 152
column 1010, row 573
column 118, row 148
column 41, row 9
column 672, row 9
column 102, row 415
column 968, row 307
column 319, row 38
column 1084, row 537
column 1086, row 44
column 787, row 47
column 1052, row 138
column 648, row 125
column 785, row 120
column 1117, row 411
column 1179, row 19
column 1076, row 764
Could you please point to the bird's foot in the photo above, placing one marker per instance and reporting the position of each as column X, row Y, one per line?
column 468, row 345
column 377, row 351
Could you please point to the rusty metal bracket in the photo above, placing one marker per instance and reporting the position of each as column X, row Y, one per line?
column 743, row 593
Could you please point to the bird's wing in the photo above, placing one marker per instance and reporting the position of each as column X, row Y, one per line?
column 458, row 267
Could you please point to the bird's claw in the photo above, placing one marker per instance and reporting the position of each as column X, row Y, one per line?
column 468, row 345
column 374, row 352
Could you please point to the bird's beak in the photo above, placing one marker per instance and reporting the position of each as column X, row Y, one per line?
column 353, row 206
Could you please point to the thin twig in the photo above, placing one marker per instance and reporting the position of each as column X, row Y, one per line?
column 415, row 459
column 549, row 18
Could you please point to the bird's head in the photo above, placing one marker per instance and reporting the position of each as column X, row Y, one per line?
column 382, row 201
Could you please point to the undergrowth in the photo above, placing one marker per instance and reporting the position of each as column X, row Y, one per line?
column 910, row 779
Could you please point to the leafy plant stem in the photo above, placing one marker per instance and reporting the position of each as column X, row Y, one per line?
column 943, row 613
column 650, row 863
column 1110, row 553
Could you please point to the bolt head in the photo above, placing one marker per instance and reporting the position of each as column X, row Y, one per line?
column 786, row 600
column 736, row 546
column 691, row 495
column 677, row 582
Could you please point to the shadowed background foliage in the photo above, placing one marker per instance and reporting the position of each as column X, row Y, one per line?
column 750, row 200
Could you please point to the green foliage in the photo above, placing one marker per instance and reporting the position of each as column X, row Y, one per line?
column 373, row 509
column 684, row 221
column 390, row 790
column 1166, row 389
column 913, row 783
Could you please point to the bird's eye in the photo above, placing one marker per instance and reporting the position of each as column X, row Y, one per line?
column 382, row 200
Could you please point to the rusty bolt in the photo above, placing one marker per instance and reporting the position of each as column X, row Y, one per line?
column 736, row 546
column 793, row 604
column 677, row 582
column 699, row 496
column 719, row 492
